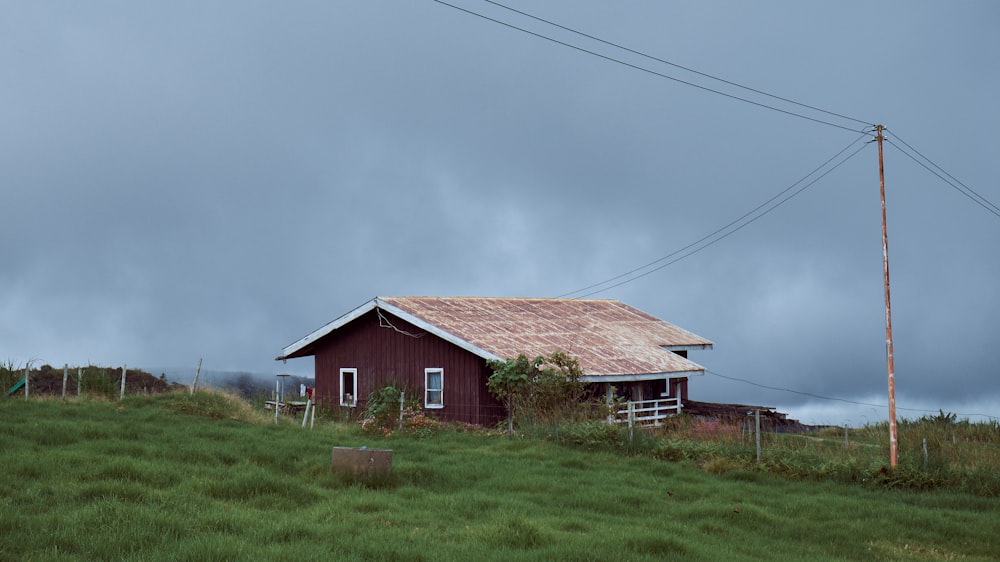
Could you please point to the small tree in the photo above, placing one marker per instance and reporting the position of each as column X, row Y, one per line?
column 556, row 391
column 510, row 380
column 547, row 387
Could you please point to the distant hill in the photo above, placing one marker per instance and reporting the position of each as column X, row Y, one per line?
column 245, row 383
column 47, row 380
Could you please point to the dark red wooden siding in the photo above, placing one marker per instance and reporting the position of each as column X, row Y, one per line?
column 384, row 355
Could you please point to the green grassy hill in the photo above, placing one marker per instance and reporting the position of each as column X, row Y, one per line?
column 176, row 477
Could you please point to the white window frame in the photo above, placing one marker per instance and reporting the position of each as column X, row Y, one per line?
column 340, row 385
column 427, row 390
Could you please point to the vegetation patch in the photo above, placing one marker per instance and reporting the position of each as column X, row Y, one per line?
column 215, row 405
column 91, row 380
column 168, row 477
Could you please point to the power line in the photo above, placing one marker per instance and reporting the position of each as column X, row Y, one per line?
column 792, row 391
column 972, row 195
column 718, row 231
column 675, row 65
column 929, row 165
column 831, row 398
column 647, row 70
column 945, row 176
column 923, row 161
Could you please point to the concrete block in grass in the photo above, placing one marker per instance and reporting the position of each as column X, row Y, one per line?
column 361, row 462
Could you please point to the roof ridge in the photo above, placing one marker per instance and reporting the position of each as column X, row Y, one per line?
column 473, row 297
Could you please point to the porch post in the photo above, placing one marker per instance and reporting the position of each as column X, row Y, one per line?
column 609, row 397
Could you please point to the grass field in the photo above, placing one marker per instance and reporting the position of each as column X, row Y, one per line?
column 175, row 477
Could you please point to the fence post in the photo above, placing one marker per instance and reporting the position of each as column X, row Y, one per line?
column 277, row 399
column 79, row 380
column 65, row 376
column 25, row 382
column 305, row 415
column 123, row 384
column 756, row 415
column 847, row 440
column 194, row 385
column 925, row 453
column 631, row 420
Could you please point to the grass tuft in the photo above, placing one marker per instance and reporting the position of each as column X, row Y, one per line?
column 513, row 533
column 216, row 405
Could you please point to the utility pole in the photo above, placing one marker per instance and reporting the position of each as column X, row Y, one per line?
column 893, row 446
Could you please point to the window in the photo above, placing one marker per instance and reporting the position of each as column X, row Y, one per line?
column 434, row 388
column 349, row 387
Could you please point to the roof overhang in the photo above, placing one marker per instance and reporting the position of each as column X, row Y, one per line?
column 293, row 350
column 686, row 347
column 636, row 377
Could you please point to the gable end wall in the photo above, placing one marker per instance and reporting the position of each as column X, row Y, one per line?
column 383, row 355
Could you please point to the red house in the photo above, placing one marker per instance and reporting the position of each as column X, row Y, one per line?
column 438, row 347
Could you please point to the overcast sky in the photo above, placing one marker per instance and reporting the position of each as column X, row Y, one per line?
column 218, row 179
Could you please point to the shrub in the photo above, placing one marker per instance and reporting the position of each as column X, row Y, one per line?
column 421, row 425
column 382, row 414
column 547, row 389
column 592, row 435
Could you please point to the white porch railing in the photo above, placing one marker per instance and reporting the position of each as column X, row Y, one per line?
column 647, row 412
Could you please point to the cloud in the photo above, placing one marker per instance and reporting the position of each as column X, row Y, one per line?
column 217, row 184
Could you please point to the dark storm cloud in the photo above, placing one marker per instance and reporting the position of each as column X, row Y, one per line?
column 218, row 180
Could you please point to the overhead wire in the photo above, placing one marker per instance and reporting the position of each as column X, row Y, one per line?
column 675, row 65
column 648, row 70
column 943, row 175
column 927, row 163
column 810, row 394
column 718, row 233
column 384, row 322
column 923, row 161
column 831, row 398
column 721, row 233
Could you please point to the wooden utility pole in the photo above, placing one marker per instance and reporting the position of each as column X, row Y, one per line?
column 893, row 446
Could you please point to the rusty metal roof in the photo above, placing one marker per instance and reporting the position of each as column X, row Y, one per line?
column 610, row 338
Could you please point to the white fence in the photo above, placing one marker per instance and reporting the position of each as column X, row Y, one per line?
column 647, row 412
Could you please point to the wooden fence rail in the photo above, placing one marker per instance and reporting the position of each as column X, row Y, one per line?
column 647, row 412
